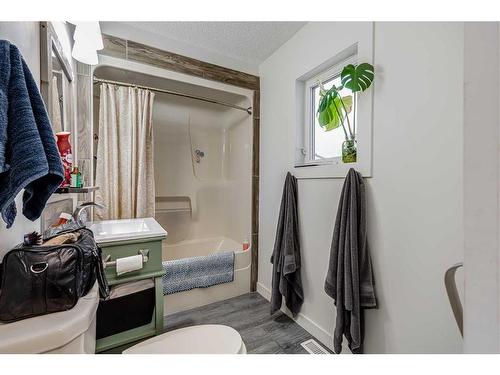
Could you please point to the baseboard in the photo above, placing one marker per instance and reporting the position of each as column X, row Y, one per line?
column 263, row 291
column 314, row 329
column 305, row 322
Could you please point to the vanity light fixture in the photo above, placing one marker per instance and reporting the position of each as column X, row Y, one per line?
column 88, row 40
column 84, row 53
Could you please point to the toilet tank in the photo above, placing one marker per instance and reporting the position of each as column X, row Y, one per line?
column 71, row 331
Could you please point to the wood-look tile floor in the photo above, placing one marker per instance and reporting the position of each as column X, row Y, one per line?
column 249, row 315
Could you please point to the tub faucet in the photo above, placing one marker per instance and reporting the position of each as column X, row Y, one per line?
column 80, row 215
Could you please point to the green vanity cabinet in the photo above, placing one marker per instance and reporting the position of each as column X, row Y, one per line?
column 152, row 269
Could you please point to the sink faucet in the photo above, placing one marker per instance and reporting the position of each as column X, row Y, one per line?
column 80, row 215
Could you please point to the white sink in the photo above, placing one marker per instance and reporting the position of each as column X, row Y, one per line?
column 126, row 229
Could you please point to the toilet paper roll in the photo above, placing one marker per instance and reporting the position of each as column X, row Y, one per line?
column 128, row 264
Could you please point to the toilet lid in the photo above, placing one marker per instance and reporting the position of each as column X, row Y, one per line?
column 202, row 339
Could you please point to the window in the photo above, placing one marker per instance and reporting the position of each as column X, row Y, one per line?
column 317, row 153
column 320, row 146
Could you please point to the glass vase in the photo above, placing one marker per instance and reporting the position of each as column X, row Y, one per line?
column 349, row 151
column 66, row 155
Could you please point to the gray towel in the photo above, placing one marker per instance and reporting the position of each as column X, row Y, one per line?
column 349, row 280
column 286, row 255
column 198, row 272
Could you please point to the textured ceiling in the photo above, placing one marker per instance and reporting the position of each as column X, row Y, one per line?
column 249, row 41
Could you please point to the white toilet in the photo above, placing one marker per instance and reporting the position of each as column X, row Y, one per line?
column 73, row 331
column 202, row 339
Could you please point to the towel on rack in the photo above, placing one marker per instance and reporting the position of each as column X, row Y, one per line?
column 286, row 255
column 29, row 158
column 349, row 280
column 198, row 272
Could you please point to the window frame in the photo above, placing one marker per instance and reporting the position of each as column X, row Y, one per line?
column 308, row 148
column 355, row 40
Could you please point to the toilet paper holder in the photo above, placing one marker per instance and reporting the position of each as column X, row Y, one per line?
column 143, row 252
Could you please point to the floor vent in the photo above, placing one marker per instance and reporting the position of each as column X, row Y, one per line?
column 313, row 347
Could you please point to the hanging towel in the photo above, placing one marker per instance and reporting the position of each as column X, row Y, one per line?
column 286, row 281
column 29, row 158
column 198, row 272
column 349, row 280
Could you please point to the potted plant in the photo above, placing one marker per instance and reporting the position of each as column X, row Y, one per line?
column 334, row 109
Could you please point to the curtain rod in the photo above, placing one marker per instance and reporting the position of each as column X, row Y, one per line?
column 201, row 98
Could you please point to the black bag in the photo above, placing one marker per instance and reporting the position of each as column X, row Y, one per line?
column 37, row 280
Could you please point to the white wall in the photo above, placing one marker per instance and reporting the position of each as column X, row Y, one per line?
column 26, row 36
column 415, row 214
column 481, row 122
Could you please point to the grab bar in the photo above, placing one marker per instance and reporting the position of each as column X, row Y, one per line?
column 451, row 289
column 143, row 252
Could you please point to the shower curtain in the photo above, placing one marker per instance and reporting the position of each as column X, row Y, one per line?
column 124, row 168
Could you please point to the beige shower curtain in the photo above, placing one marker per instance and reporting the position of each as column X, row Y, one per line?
column 124, row 169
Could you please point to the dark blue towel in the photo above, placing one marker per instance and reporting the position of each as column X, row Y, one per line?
column 29, row 158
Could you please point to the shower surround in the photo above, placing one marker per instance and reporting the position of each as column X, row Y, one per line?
column 159, row 60
column 204, row 171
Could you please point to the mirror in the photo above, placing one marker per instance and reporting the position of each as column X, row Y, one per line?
column 56, row 80
column 57, row 95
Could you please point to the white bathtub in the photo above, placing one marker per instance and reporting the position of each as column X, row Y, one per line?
column 202, row 296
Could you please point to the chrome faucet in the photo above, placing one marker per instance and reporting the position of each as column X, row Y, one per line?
column 198, row 155
column 80, row 214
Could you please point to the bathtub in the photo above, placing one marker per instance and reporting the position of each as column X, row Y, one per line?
column 202, row 296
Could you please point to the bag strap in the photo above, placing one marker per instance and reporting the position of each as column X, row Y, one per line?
column 97, row 254
column 100, row 275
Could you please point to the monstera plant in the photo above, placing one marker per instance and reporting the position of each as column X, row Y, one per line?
column 334, row 109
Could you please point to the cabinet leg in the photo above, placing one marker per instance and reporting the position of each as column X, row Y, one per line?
column 159, row 305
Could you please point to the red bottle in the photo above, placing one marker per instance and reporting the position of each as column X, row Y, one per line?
column 66, row 155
